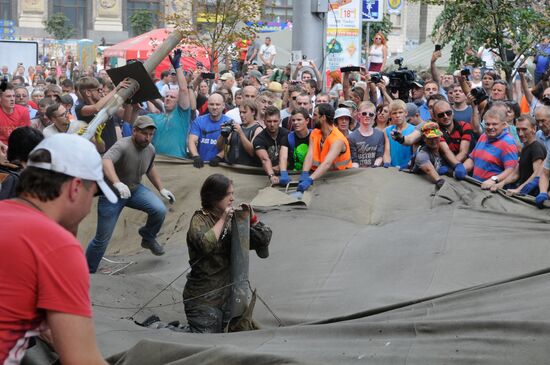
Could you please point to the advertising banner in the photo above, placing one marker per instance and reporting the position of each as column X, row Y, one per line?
column 344, row 33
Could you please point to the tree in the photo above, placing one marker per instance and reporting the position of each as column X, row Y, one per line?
column 217, row 24
column 141, row 21
column 501, row 25
column 58, row 25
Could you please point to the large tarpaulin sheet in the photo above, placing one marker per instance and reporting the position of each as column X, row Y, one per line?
column 380, row 268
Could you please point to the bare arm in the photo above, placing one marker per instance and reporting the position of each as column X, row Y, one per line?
column 109, row 171
column 154, row 177
column 93, row 109
column 266, row 164
column 525, row 88
column 74, row 339
column 183, row 93
column 283, row 158
column 433, row 67
column 308, row 161
column 192, row 141
column 429, row 170
column 384, row 57
column 463, row 151
column 336, row 149
column 543, row 182
column 317, row 75
column 387, row 155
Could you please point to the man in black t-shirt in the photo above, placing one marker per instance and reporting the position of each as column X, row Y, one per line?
column 531, row 159
column 268, row 143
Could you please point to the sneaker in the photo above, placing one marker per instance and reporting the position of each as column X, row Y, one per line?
column 154, row 246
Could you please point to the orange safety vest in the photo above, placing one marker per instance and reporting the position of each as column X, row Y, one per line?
column 342, row 162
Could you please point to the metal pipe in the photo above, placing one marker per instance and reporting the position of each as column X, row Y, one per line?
column 124, row 94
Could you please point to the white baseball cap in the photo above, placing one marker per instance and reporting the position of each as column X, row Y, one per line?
column 75, row 156
column 342, row 112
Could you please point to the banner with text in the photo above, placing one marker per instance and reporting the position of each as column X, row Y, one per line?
column 344, row 33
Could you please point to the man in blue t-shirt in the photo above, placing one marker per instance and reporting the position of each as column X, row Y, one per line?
column 542, row 58
column 173, row 125
column 205, row 131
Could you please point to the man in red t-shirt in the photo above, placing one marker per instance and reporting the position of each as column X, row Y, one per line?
column 45, row 280
column 11, row 115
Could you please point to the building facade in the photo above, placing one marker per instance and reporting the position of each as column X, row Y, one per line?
column 107, row 20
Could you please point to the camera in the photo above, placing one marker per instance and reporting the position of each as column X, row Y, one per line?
column 438, row 47
column 479, row 95
column 401, row 81
column 376, row 77
column 522, row 70
column 227, row 128
column 465, row 72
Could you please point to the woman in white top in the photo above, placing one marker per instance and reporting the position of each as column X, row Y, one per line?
column 378, row 53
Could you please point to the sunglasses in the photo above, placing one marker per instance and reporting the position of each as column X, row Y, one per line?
column 446, row 113
column 369, row 114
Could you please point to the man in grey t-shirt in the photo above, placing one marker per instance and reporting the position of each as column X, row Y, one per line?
column 366, row 143
column 124, row 164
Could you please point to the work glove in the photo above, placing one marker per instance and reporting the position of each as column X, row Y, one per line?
column 215, row 161
column 442, row 170
column 386, row 165
column 460, row 171
column 284, row 179
column 123, row 190
column 540, row 199
column 175, row 61
column 397, row 136
column 527, row 188
column 198, row 162
column 98, row 132
column 304, row 175
column 305, row 184
column 167, row 194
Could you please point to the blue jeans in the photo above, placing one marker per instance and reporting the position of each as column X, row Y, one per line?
column 107, row 215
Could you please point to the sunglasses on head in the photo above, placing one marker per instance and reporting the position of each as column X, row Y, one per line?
column 445, row 113
column 365, row 114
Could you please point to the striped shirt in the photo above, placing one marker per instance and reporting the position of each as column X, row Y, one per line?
column 491, row 157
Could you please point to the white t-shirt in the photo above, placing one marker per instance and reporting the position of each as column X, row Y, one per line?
column 74, row 127
column 487, row 56
column 376, row 54
column 267, row 51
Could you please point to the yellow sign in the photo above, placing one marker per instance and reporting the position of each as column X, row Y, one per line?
column 209, row 18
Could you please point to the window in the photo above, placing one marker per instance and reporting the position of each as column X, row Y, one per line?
column 5, row 10
column 153, row 6
column 75, row 10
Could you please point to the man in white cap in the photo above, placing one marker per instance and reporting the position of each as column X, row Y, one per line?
column 124, row 164
column 45, row 280
column 228, row 81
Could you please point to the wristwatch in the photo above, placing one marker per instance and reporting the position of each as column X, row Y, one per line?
column 270, row 175
column 494, row 178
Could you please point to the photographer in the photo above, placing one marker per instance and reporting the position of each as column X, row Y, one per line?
column 236, row 139
column 306, row 74
column 540, row 93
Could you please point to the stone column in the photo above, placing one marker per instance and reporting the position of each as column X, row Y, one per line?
column 107, row 15
column 31, row 13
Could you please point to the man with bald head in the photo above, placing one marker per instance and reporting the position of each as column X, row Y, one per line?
column 205, row 131
column 249, row 93
column 173, row 124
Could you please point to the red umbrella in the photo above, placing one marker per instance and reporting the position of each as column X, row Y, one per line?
column 142, row 46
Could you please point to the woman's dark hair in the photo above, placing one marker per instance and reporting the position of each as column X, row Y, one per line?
column 302, row 111
column 21, row 142
column 214, row 189
column 41, row 184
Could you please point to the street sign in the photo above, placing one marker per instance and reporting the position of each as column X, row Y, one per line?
column 6, row 23
column 373, row 10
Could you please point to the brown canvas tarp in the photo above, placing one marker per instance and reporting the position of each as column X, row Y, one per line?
column 378, row 269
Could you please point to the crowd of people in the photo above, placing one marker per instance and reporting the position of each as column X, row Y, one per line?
column 255, row 114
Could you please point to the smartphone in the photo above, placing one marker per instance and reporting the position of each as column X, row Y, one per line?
column 522, row 70
column 305, row 63
column 208, row 75
column 438, row 47
column 350, row 68
column 465, row 72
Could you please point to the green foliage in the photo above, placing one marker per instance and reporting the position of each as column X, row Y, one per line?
column 217, row 24
column 58, row 25
column 499, row 24
column 384, row 27
column 141, row 21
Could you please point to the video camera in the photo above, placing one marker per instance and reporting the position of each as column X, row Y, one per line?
column 401, row 80
column 479, row 94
